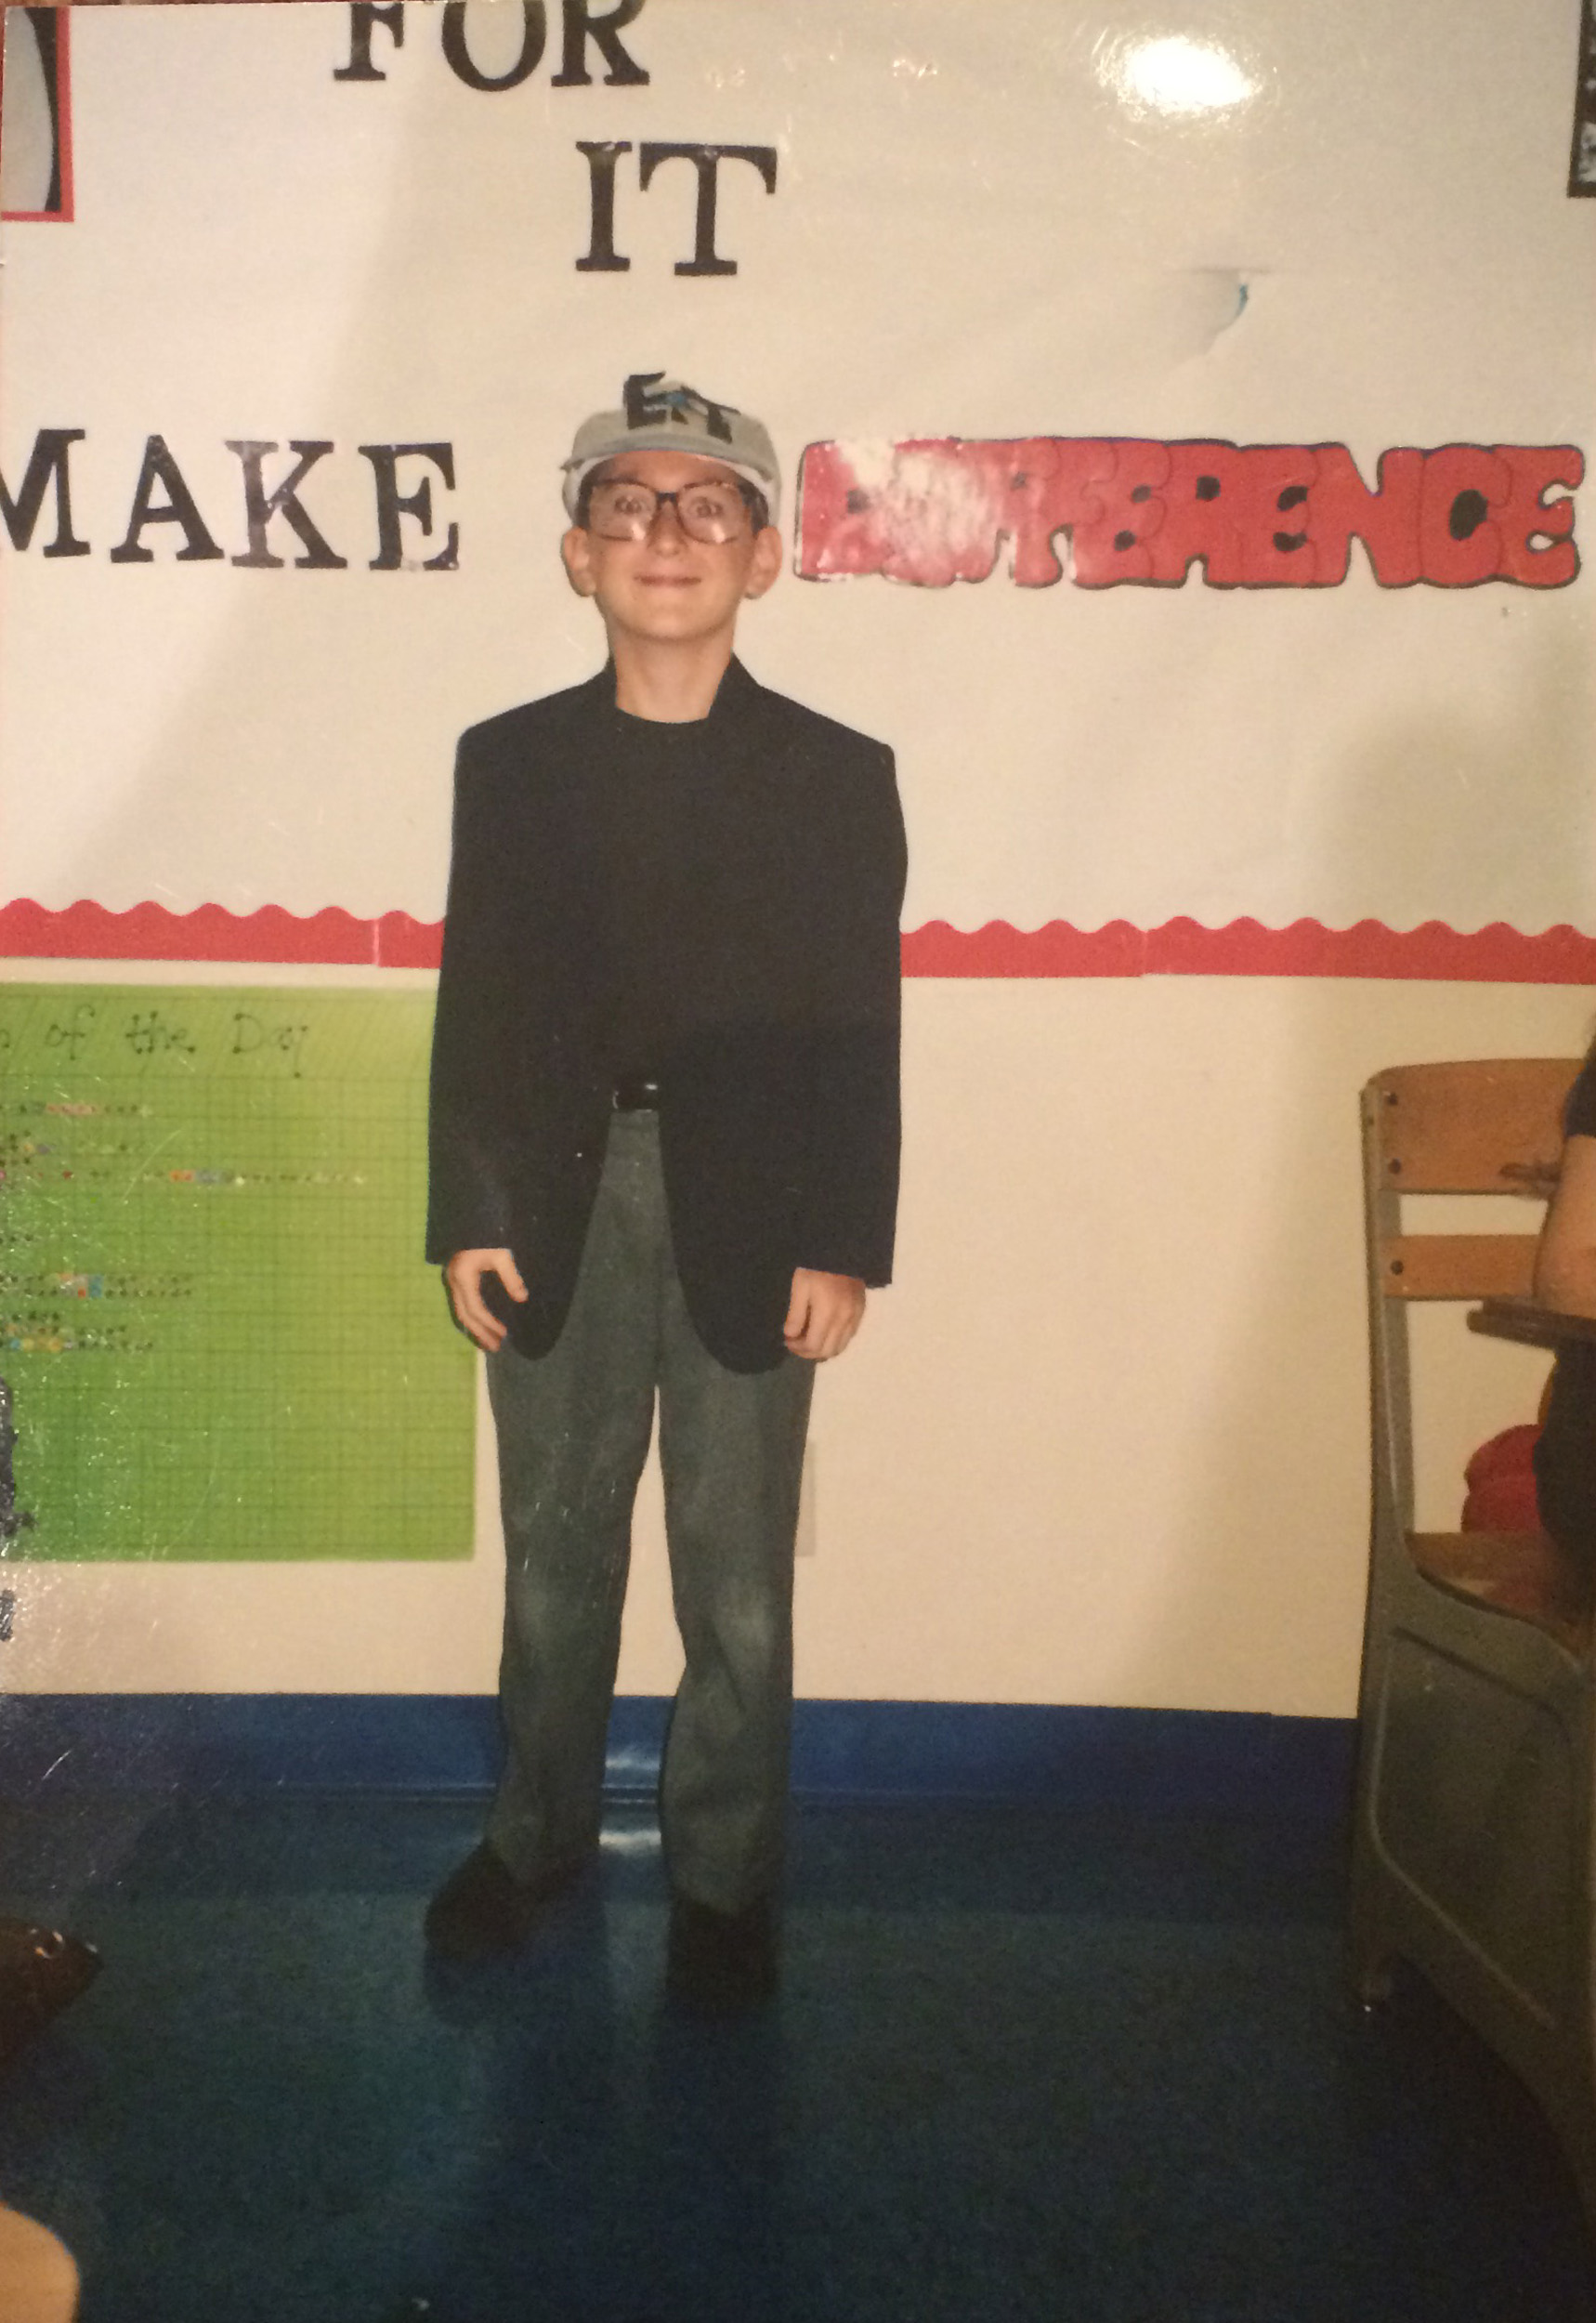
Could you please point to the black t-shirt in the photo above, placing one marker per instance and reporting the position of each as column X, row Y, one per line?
column 653, row 777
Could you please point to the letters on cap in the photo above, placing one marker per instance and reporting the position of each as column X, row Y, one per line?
column 662, row 414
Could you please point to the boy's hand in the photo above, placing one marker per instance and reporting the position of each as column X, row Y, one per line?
column 464, row 1275
column 824, row 1315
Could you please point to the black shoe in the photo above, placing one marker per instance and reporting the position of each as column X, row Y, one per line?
column 721, row 1964
column 482, row 1908
column 41, row 1972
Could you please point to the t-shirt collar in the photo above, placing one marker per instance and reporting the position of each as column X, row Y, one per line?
column 732, row 696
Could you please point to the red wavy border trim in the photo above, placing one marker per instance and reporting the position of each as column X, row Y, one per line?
column 1497, row 955
column 148, row 931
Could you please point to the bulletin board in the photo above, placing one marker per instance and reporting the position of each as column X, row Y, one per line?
column 217, row 1337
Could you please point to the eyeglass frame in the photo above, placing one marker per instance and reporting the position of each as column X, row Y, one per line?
column 753, row 500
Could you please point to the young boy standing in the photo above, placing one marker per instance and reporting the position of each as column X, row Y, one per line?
column 664, row 1164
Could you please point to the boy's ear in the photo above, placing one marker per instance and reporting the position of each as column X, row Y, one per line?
column 766, row 564
column 576, row 555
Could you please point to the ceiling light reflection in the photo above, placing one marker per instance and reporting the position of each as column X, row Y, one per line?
column 1174, row 76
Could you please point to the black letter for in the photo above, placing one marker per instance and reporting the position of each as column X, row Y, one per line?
column 534, row 33
column 706, row 160
column 392, row 504
column 48, row 455
column 260, row 509
column 580, row 28
column 602, row 257
column 363, row 16
column 159, row 468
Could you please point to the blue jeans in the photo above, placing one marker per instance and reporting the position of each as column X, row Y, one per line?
column 573, row 1430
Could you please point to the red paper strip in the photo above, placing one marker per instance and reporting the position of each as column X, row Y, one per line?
column 1497, row 955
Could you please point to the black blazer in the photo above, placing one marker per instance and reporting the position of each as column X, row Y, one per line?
column 778, row 1114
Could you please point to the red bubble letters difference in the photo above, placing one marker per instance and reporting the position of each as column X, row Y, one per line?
column 939, row 509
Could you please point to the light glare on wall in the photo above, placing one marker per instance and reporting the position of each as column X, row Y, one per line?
column 1175, row 75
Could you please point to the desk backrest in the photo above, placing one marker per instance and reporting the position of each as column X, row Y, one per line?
column 1488, row 1126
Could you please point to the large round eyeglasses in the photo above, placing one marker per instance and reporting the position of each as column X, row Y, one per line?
column 716, row 512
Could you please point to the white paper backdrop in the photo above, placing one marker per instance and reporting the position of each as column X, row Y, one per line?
column 987, row 224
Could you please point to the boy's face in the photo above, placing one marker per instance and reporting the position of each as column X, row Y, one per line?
column 668, row 588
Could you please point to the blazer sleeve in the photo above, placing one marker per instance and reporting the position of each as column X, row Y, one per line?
column 468, row 1190
column 848, row 1187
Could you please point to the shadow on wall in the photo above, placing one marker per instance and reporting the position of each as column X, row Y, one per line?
column 31, row 176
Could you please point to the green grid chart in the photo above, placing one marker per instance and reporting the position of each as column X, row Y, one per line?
column 220, row 1336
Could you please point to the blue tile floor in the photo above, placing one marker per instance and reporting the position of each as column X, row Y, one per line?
column 1026, row 2066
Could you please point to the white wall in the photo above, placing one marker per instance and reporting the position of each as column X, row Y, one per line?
column 1106, row 1440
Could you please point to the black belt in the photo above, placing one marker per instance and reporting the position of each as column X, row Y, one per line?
column 636, row 1095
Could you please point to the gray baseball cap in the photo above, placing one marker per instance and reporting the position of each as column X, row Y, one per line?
column 660, row 415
